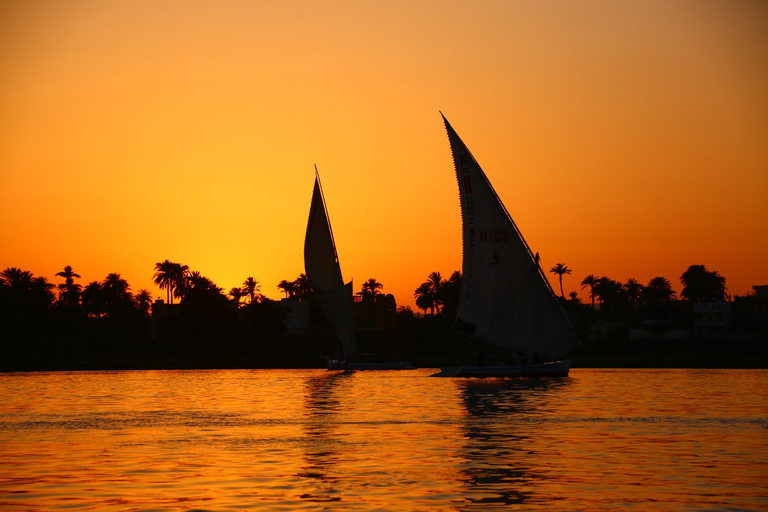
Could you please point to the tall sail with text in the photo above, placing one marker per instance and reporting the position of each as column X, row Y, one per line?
column 505, row 296
column 321, row 265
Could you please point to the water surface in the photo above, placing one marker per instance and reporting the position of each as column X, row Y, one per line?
column 312, row 439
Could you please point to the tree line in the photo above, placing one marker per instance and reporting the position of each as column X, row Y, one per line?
column 699, row 285
column 104, row 319
column 630, row 303
column 53, row 324
column 112, row 296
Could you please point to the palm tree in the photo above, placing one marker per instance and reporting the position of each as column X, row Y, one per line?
column 251, row 288
column 42, row 292
column 424, row 297
column 143, row 300
column 68, row 274
column 591, row 281
column 236, row 294
column 197, row 282
column 658, row 289
column 370, row 288
column 69, row 292
column 608, row 290
column 560, row 269
column 180, row 275
column 450, row 292
column 432, row 288
column 163, row 278
column 201, row 290
column 287, row 287
column 633, row 290
column 93, row 299
column 116, row 293
column 301, row 287
column 171, row 277
column 15, row 278
column 26, row 298
column 116, row 286
column 700, row 284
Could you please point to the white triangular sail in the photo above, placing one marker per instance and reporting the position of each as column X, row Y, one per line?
column 321, row 264
column 505, row 297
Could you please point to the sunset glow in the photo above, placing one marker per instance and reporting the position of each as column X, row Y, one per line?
column 626, row 139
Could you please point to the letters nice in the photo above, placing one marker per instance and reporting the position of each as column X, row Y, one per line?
column 494, row 236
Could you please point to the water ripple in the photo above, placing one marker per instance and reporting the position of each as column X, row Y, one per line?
column 308, row 440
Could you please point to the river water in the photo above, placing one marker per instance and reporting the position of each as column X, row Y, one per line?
column 225, row 440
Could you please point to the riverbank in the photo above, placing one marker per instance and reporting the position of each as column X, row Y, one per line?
column 686, row 353
column 724, row 354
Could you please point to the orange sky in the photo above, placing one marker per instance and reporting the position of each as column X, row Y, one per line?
column 627, row 139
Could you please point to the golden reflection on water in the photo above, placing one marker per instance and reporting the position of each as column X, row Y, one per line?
column 311, row 439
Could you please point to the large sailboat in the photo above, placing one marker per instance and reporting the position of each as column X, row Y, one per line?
column 506, row 300
column 321, row 265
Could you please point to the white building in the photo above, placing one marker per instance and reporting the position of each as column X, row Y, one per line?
column 296, row 314
column 710, row 319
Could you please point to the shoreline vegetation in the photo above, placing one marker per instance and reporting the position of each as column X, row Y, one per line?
column 104, row 326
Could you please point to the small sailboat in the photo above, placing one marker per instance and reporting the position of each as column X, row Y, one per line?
column 321, row 265
column 506, row 300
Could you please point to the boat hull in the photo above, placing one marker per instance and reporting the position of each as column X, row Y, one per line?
column 547, row 369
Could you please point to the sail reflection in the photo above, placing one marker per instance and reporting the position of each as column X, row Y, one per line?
column 321, row 398
column 490, row 397
column 503, row 438
column 323, row 446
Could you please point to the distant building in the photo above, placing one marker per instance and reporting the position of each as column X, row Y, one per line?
column 664, row 314
column 296, row 315
column 749, row 315
column 375, row 313
column 711, row 318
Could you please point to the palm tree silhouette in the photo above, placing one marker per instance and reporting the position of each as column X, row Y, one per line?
column 371, row 288
column 163, row 278
column 700, row 284
column 301, row 287
column 116, row 293
column 42, row 291
column 658, row 289
column 250, row 287
column 180, row 276
column 236, row 294
column 591, row 281
column 634, row 290
column 425, row 298
column 69, row 292
column 143, row 300
column 433, row 287
column 608, row 290
column 93, row 300
column 560, row 269
column 16, row 279
column 287, row 287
